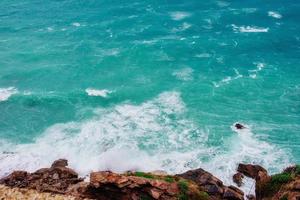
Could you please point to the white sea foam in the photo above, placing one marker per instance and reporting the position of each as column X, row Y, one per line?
column 228, row 79
column 249, row 29
column 246, row 148
column 101, row 93
column 185, row 74
column 203, row 55
column 223, row 4
column 253, row 73
column 5, row 93
column 183, row 27
column 274, row 14
column 76, row 24
column 150, row 136
column 178, row 15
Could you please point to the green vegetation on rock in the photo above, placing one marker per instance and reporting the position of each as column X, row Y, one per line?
column 276, row 182
column 183, row 186
column 144, row 175
column 169, row 179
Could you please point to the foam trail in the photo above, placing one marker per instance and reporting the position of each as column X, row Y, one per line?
column 274, row 14
column 178, row 15
column 76, row 24
column 5, row 93
column 228, row 79
column 253, row 73
column 249, row 29
column 101, row 93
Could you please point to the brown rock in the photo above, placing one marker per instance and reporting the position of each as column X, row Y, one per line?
column 16, row 179
column 118, row 186
column 155, row 193
column 59, row 163
column 296, row 185
column 250, row 197
column 251, row 170
column 233, row 193
column 212, row 185
column 238, row 179
column 55, row 179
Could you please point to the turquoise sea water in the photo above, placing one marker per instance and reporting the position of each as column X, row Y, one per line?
column 149, row 85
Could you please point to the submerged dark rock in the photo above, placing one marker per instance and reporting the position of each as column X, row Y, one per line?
column 239, row 126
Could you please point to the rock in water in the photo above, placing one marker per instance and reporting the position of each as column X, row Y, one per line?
column 239, row 126
column 251, row 170
column 60, row 163
column 238, row 179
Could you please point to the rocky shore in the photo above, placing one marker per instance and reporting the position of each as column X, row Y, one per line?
column 61, row 182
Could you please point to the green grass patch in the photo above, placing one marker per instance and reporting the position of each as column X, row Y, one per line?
column 169, row 179
column 203, row 195
column 276, row 182
column 144, row 175
column 183, row 186
column 281, row 178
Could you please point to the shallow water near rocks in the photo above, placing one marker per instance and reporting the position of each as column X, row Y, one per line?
column 144, row 85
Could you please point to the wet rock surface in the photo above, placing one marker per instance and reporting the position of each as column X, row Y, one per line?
column 251, row 170
column 238, row 179
column 212, row 185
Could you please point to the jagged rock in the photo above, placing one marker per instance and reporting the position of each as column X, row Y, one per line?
column 116, row 186
column 233, row 193
column 60, row 163
column 238, row 179
column 251, row 170
column 239, row 126
column 16, row 179
column 212, row 185
column 204, row 179
column 54, row 179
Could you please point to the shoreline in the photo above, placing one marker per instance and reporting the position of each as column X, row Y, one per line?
column 61, row 182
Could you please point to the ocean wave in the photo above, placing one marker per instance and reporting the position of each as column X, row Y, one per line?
column 5, row 93
column 245, row 147
column 249, row 29
column 274, row 14
column 153, row 135
column 101, row 93
column 178, row 15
